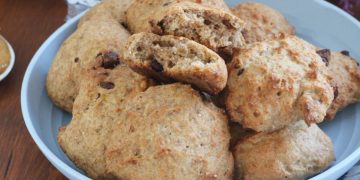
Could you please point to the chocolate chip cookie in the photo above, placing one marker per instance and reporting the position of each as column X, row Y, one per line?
column 77, row 51
column 106, row 10
column 295, row 152
column 274, row 83
column 170, row 58
column 217, row 29
column 345, row 79
column 96, row 109
column 170, row 132
column 262, row 22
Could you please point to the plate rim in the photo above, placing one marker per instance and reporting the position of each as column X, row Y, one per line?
column 64, row 168
column 334, row 171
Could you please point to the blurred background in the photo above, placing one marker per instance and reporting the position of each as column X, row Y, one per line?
column 350, row 6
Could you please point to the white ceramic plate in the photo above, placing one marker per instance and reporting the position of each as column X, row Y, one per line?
column 315, row 20
column 12, row 60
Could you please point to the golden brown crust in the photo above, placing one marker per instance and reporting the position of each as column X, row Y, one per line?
column 274, row 83
column 262, row 22
column 77, row 51
column 345, row 78
column 170, row 132
column 294, row 152
column 176, row 58
column 107, row 10
column 141, row 11
column 217, row 29
column 96, row 108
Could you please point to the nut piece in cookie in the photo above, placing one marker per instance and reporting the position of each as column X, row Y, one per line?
column 170, row 58
column 262, row 22
column 96, row 108
column 295, row 152
column 217, row 29
column 345, row 79
column 274, row 83
column 76, row 53
column 170, row 132
column 107, row 10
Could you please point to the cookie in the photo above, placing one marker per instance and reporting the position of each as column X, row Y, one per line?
column 170, row 132
column 345, row 79
column 96, row 108
column 77, row 51
column 176, row 58
column 272, row 84
column 217, row 29
column 262, row 22
column 106, row 10
column 141, row 11
column 295, row 152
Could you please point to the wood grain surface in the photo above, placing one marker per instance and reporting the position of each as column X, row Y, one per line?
column 25, row 24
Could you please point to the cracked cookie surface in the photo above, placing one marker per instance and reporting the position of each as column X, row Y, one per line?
column 295, row 152
column 170, row 132
column 96, row 109
column 272, row 84
column 262, row 22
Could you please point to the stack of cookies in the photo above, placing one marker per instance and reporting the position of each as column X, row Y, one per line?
column 189, row 89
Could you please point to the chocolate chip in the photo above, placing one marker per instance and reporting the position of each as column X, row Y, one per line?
column 166, row 4
column 227, row 24
column 207, row 22
column 240, row 72
column 223, row 53
column 156, row 66
column 124, row 24
column 325, row 55
column 161, row 25
column 98, row 95
column 336, row 92
column 346, row 53
column 109, row 60
column 76, row 59
column 107, row 85
column 139, row 49
column 171, row 64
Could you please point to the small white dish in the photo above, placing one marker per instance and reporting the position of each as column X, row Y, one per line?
column 12, row 59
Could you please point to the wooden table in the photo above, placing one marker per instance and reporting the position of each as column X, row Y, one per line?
column 26, row 24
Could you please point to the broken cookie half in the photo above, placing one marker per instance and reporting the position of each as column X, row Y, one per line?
column 217, row 29
column 169, row 58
